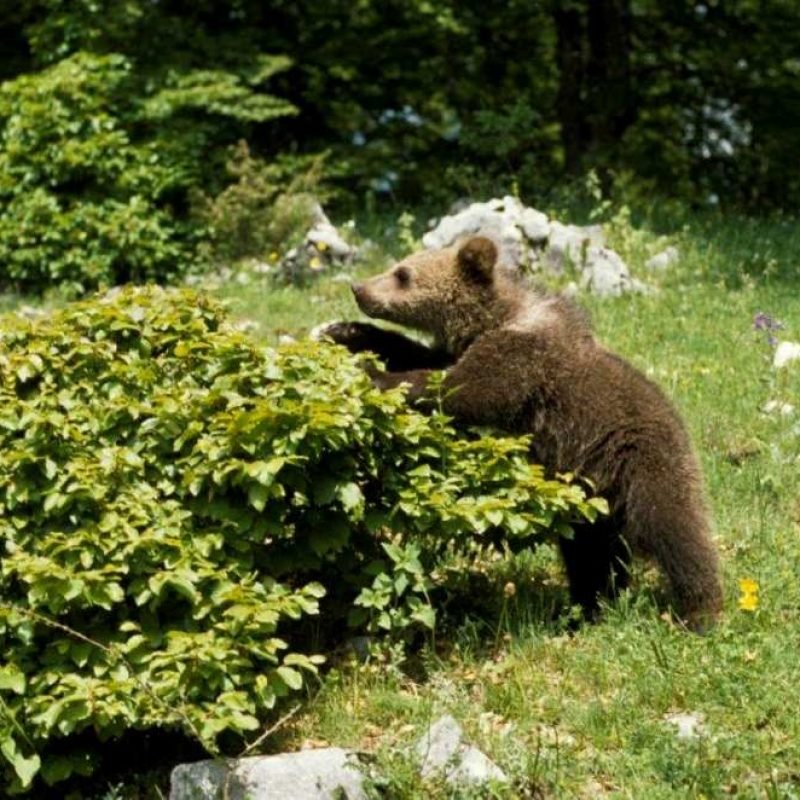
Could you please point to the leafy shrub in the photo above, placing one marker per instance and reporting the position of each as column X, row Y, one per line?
column 262, row 210
column 96, row 170
column 176, row 504
column 81, row 201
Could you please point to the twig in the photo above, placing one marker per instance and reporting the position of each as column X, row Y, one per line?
column 115, row 654
column 255, row 743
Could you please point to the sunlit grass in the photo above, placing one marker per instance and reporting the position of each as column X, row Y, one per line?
column 585, row 715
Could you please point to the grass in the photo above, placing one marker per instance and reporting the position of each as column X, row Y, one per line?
column 585, row 715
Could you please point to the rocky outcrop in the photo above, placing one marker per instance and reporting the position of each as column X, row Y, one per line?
column 527, row 239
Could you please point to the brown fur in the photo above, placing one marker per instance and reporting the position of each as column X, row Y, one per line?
column 528, row 363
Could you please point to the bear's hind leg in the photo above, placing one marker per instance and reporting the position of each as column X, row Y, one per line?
column 670, row 523
column 597, row 562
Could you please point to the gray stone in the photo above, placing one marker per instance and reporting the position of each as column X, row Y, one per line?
column 501, row 220
column 325, row 774
column 325, row 237
column 535, row 225
column 567, row 244
column 322, row 249
column 661, row 261
column 605, row 273
column 526, row 238
column 440, row 745
column 688, row 723
column 473, row 766
column 441, row 749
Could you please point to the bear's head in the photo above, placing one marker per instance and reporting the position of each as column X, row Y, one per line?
column 453, row 294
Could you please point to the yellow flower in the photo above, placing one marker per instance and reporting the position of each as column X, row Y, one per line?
column 749, row 598
column 273, row 256
column 321, row 246
column 315, row 263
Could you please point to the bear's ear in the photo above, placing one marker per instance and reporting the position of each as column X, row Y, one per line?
column 476, row 259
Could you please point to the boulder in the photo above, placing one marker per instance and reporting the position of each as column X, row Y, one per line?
column 604, row 273
column 325, row 774
column 322, row 249
column 567, row 244
column 441, row 749
column 498, row 219
column 661, row 261
column 528, row 239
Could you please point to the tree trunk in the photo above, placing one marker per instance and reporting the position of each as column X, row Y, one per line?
column 611, row 105
column 568, row 17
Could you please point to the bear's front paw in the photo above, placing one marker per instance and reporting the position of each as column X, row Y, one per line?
column 337, row 332
column 355, row 336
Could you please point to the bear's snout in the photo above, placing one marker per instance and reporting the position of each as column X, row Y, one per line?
column 362, row 295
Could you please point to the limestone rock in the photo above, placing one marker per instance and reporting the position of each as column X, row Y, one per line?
column 504, row 220
column 441, row 749
column 325, row 774
column 322, row 250
column 568, row 244
column 605, row 273
column 661, row 261
column 528, row 239
column 785, row 353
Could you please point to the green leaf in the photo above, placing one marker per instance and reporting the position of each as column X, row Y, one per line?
column 291, row 677
column 426, row 615
column 257, row 495
column 12, row 679
column 25, row 768
column 351, row 496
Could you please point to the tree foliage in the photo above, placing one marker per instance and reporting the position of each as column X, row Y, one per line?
column 176, row 504
column 695, row 100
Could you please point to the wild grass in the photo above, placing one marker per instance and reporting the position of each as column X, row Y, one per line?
column 586, row 715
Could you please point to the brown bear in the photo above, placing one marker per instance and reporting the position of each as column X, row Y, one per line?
column 527, row 362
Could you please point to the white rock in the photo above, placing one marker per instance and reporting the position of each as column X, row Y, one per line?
column 442, row 749
column 318, row 216
column 660, row 261
column 535, row 225
column 326, row 774
column 497, row 219
column 567, row 244
column 473, row 766
column 326, row 238
column 605, row 273
column 689, row 724
column 785, row 353
column 777, row 407
column 440, row 745
column 527, row 238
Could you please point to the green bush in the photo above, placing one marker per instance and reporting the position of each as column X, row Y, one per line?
column 96, row 169
column 177, row 504
column 262, row 210
column 81, row 203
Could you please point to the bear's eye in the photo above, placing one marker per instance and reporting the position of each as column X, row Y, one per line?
column 403, row 275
